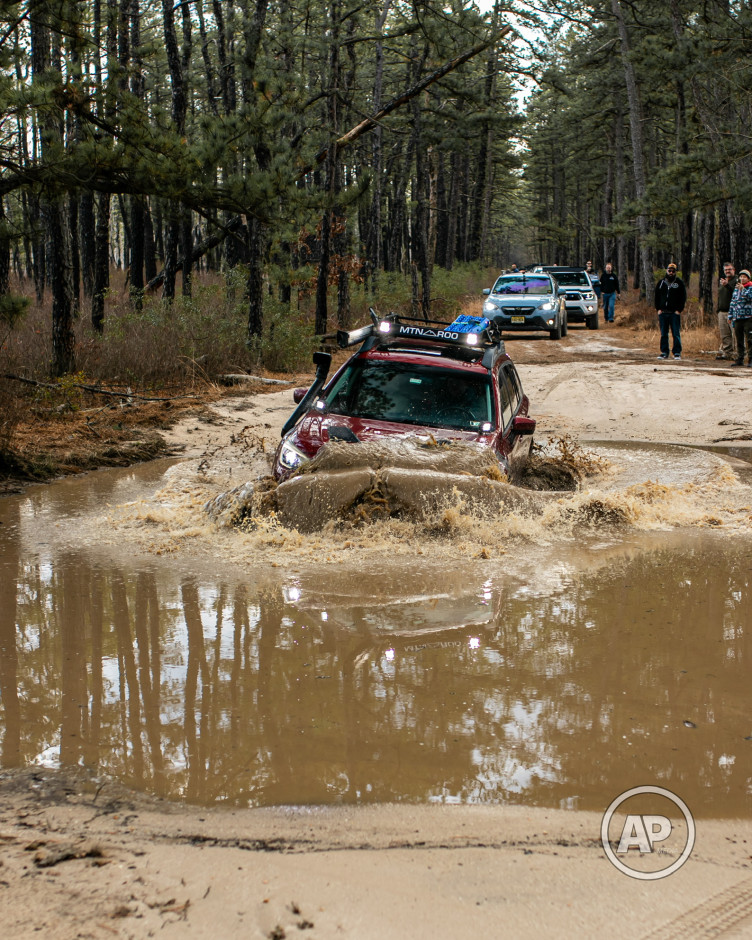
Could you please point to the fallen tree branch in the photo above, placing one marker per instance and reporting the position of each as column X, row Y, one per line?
column 92, row 388
column 236, row 378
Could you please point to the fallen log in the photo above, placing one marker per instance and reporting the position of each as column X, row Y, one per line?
column 237, row 378
column 127, row 393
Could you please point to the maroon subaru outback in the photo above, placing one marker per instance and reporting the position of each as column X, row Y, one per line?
column 412, row 378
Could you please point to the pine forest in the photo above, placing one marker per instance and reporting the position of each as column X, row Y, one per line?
column 269, row 168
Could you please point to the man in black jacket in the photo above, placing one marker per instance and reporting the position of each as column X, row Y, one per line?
column 610, row 288
column 670, row 298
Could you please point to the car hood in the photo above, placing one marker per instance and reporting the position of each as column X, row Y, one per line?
column 520, row 300
column 314, row 431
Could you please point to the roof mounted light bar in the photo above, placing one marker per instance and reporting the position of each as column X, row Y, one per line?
column 465, row 331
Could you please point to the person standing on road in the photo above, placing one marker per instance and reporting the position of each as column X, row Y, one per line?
column 670, row 298
column 596, row 282
column 725, row 293
column 611, row 291
column 740, row 315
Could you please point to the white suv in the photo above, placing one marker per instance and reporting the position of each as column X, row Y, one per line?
column 579, row 294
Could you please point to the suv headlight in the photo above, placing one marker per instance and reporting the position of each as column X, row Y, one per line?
column 548, row 306
column 489, row 307
column 589, row 296
column 290, row 457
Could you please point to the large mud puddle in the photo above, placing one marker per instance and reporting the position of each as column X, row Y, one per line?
column 554, row 656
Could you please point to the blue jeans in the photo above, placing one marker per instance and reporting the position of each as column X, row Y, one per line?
column 608, row 307
column 668, row 320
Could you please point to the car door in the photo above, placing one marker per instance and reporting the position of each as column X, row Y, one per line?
column 517, row 446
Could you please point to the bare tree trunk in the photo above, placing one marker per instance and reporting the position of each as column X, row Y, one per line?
column 150, row 248
column 63, row 339
column 453, row 209
column 607, row 211
column 86, row 236
column 136, row 220
column 484, row 168
column 101, row 261
column 54, row 215
column 4, row 253
column 137, row 251
column 374, row 251
column 708, row 268
column 179, row 104
column 75, row 257
column 255, row 285
column 211, row 94
column 415, row 291
column 186, row 218
column 333, row 89
column 622, row 266
column 171, row 239
column 638, row 151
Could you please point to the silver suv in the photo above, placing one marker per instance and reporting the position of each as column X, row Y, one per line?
column 527, row 302
column 579, row 292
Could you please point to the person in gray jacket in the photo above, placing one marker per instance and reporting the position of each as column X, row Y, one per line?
column 726, row 287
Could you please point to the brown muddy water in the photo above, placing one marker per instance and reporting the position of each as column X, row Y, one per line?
column 554, row 659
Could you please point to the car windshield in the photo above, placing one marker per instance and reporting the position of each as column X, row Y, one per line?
column 572, row 279
column 413, row 394
column 522, row 284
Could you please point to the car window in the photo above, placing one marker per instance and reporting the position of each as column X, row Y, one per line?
column 413, row 394
column 515, row 388
column 505, row 393
column 572, row 279
column 520, row 284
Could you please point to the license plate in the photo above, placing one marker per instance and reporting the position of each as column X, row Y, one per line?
column 518, row 319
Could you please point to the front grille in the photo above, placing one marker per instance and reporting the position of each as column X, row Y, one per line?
column 574, row 297
column 517, row 311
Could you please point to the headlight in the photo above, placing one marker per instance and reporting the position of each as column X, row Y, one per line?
column 290, row 457
column 548, row 306
column 489, row 307
column 589, row 296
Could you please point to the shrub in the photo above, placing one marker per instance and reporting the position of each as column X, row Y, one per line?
column 288, row 340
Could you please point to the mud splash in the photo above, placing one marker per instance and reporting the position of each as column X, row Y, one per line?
column 404, row 478
column 410, row 492
column 408, row 478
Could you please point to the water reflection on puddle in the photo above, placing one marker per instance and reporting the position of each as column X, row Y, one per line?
column 559, row 679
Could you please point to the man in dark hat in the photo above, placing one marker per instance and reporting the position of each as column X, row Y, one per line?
column 670, row 298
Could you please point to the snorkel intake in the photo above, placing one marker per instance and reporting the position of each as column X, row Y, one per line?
column 322, row 362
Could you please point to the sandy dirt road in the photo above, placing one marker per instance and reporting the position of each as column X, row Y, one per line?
column 85, row 858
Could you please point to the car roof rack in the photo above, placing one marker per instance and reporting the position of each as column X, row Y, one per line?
column 473, row 336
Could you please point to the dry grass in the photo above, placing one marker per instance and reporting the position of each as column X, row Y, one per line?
column 699, row 338
column 163, row 344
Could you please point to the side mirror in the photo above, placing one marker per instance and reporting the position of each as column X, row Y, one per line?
column 523, row 425
column 486, row 291
column 298, row 394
